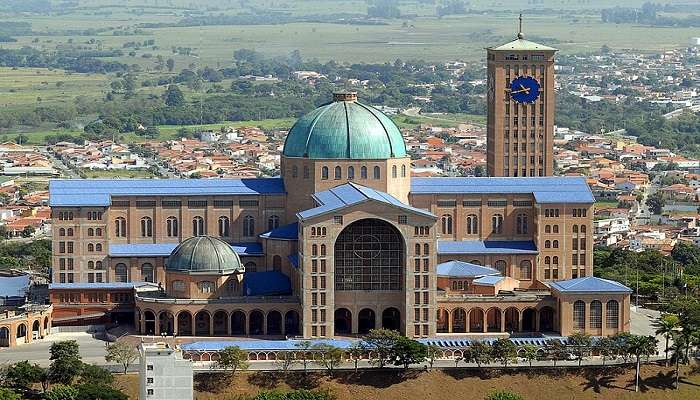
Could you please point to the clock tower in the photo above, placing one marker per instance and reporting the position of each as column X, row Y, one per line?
column 520, row 99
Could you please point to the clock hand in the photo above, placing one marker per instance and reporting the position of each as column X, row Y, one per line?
column 520, row 91
column 527, row 90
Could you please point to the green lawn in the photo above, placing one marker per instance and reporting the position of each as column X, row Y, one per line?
column 96, row 174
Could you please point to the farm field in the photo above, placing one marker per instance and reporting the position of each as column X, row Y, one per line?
column 35, row 86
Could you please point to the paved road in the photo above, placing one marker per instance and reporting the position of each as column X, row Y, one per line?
column 92, row 350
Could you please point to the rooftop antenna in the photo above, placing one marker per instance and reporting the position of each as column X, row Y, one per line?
column 520, row 27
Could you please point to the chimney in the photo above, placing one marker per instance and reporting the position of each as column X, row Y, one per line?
column 345, row 96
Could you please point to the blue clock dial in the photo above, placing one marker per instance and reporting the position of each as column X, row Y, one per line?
column 525, row 89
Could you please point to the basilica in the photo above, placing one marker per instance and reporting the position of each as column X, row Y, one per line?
column 345, row 240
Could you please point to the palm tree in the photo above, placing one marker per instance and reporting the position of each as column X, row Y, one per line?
column 678, row 349
column 666, row 325
column 640, row 346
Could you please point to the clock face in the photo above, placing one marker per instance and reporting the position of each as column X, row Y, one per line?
column 525, row 89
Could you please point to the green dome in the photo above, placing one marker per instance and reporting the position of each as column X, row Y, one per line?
column 345, row 129
column 204, row 255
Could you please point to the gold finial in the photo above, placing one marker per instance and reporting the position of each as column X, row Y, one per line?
column 520, row 27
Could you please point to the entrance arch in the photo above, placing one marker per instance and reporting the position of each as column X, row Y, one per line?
column 546, row 319
column 36, row 327
column 476, row 320
column 202, row 324
column 21, row 331
column 391, row 319
column 149, row 322
column 220, row 323
column 529, row 320
column 165, row 323
column 184, row 323
column 4, row 337
column 512, row 319
column 274, row 323
column 443, row 321
column 256, row 323
column 238, row 323
column 459, row 320
column 366, row 321
column 291, row 323
column 493, row 320
column 343, row 321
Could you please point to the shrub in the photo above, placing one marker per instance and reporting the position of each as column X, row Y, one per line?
column 503, row 395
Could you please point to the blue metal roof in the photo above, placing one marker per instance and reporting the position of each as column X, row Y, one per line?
column 550, row 189
column 266, row 283
column 464, row 269
column 488, row 280
column 350, row 194
column 165, row 249
column 14, row 286
column 486, row 247
column 589, row 284
column 287, row 232
column 98, row 192
column 294, row 259
column 101, row 285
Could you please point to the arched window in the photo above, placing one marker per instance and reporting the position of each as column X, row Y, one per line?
column 497, row 224
column 306, row 172
column 500, row 266
column 69, row 232
column 295, row 171
column 62, row 232
column 521, row 224
column 525, row 270
column 276, row 263
column 338, row 172
column 575, row 228
column 206, row 287
column 324, row 173
column 547, row 229
column 91, row 232
column 547, row 244
column 377, row 173
column 91, row 265
column 250, row 267
column 273, row 222
column 596, row 314
column 98, row 264
column 248, row 226
column 426, row 249
column 583, row 243
column 323, row 250
column 98, row 231
column 351, row 173
column 446, row 224
column 198, row 226
column 120, row 227
column 120, row 273
column 91, row 247
column 224, row 226
column 363, row 172
column 547, row 260
column 171, row 227
column 314, row 250
column 555, row 228
column 394, row 171
column 579, row 315
column 472, row 224
column 146, row 227
column 147, row 272
column 403, row 171
column 583, row 228
column 98, row 247
column 555, row 260
column 612, row 315
column 417, row 249
column 555, row 244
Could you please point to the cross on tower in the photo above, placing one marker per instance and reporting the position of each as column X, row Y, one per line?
column 520, row 27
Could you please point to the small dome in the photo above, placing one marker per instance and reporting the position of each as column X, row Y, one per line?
column 204, row 255
column 345, row 129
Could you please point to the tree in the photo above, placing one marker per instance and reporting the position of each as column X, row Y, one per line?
column 479, row 352
column 640, row 346
column 7, row 394
column 356, row 351
column 65, row 362
column 232, row 358
column 606, row 347
column 581, row 342
column 122, row 353
column 61, row 392
column 504, row 350
column 556, row 350
column 408, row 351
column 656, row 203
column 678, row 355
column 503, row 395
column 23, row 375
column 304, row 346
column 285, row 361
column 331, row 357
column 529, row 353
column 170, row 64
column 28, row 231
column 95, row 375
column 381, row 342
column 433, row 352
column 666, row 325
column 101, row 392
column 174, row 97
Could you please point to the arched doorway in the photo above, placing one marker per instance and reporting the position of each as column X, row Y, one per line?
column 202, row 324
column 476, row 320
column 291, row 323
column 36, row 327
column 370, row 256
column 149, row 322
column 256, row 323
column 21, row 332
column 220, row 323
column 274, row 323
column 459, row 320
column 443, row 321
column 4, row 337
column 493, row 320
column 184, row 323
column 391, row 319
column 529, row 320
column 46, row 326
column 343, row 321
column 366, row 321
column 238, row 323
column 165, row 323
column 546, row 319
column 512, row 319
